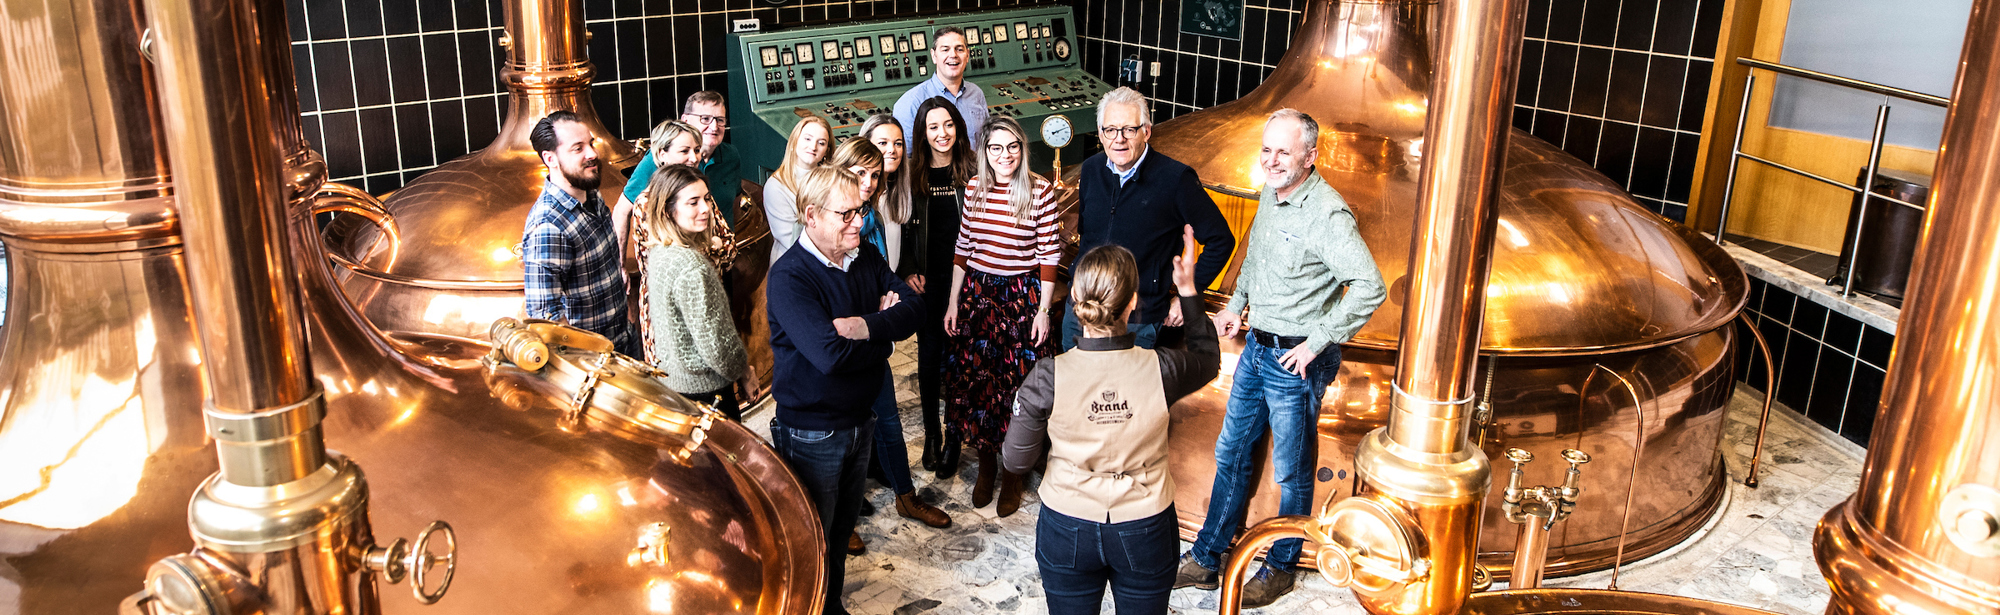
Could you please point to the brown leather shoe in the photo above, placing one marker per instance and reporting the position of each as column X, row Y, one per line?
column 1010, row 494
column 913, row 507
column 982, row 485
column 855, row 546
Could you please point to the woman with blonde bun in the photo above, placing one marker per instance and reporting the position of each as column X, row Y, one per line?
column 1108, row 495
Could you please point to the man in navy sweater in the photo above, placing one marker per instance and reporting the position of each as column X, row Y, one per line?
column 1138, row 198
column 836, row 312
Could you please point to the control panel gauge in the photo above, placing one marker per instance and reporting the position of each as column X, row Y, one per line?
column 917, row 41
column 888, row 43
column 769, row 56
column 1062, row 49
column 1046, row 32
column 999, row 34
column 789, row 58
column 864, row 47
column 829, row 50
column 804, row 51
column 1020, row 30
column 1056, row 131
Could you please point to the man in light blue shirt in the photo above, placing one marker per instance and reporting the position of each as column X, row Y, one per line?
column 949, row 57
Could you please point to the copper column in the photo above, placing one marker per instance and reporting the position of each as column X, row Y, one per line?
column 1407, row 544
column 1423, row 461
column 1922, row 533
column 283, row 527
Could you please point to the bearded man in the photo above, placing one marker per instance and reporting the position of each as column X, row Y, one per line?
column 569, row 251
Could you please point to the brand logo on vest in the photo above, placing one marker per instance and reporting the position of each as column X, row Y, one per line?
column 1111, row 410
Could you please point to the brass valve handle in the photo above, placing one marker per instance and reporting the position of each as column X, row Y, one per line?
column 421, row 561
column 400, row 559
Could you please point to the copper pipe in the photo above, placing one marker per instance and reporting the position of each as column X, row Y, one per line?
column 1922, row 532
column 1254, row 540
column 214, row 83
column 1531, row 554
column 1422, row 461
column 1770, row 394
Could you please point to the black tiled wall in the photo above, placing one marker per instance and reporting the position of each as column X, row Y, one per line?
column 1622, row 84
column 1830, row 367
column 1195, row 71
column 389, row 89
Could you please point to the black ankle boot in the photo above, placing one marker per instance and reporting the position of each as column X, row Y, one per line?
column 947, row 461
column 933, row 440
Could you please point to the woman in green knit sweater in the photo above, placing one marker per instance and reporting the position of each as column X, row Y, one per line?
column 691, row 336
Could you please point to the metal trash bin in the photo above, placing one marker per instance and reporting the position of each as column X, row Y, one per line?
column 1889, row 234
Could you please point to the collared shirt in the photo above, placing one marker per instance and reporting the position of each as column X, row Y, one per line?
column 571, row 265
column 1302, row 251
column 1125, row 176
column 970, row 100
column 846, row 260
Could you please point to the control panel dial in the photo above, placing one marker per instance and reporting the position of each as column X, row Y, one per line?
column 1062, row 49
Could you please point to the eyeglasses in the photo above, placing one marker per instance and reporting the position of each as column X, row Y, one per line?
column 1118, row 133
column 707, row 120
column 1011, row 148
column 848, row 216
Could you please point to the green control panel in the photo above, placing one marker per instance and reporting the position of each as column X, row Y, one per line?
column 1025, row 60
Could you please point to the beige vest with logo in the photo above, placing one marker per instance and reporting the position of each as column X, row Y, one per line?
column 1108, row 434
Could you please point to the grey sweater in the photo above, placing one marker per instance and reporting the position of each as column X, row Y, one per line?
column 692, row 331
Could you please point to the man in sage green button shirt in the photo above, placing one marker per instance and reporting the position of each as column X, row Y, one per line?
column 1308, row 283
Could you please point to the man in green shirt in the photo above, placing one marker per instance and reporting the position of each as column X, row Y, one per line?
column 1308, row 284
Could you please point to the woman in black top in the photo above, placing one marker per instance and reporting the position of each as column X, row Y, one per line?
column 941, row 163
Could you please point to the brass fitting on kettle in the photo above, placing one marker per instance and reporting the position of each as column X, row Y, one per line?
column 1537, row 510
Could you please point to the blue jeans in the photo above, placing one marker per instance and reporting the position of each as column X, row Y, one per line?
column 1265, row 395
column 831, row 465
column 1144, row 335
column 890, row 449
column 1077, row 557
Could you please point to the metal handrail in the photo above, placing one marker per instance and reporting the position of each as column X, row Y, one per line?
column 1857, row 84
column 1737, row 155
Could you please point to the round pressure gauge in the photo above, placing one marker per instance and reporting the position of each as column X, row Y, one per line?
column 1056, row 131
column 1062, row 49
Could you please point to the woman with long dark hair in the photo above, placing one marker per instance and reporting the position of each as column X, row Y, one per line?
column 941, row 163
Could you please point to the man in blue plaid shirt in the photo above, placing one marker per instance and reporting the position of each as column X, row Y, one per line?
column 569, row 252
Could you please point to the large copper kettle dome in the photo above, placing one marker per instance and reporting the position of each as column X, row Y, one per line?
column 452, row 264
column 1577, row 266
column 1606, row 327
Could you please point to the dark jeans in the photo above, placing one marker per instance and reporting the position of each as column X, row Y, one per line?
column 1078, row 557
column 930, row 354
column 891, row 450
column 832, row 466
column 1265, row 395
column 723, row 400
column 1145, row 336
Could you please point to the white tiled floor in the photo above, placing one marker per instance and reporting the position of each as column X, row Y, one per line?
column 1758, row 552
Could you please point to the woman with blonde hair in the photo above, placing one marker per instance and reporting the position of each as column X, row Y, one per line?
column 805, row 149
column 865, row 161
column 1108, row 493
column 1003, row 272
column 672, row 143
column 691, row 335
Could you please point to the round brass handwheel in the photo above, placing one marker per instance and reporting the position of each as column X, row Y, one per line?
column 421, row 561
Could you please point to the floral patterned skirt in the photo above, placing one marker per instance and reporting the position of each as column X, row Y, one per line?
column 991, row 355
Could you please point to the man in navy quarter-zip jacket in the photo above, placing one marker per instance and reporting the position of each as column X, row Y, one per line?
column 836, row 311
column 1138, row 198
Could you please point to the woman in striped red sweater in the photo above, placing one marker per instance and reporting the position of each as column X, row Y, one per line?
column 998, row 313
